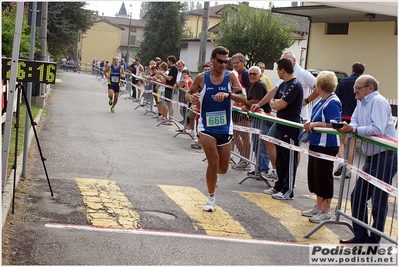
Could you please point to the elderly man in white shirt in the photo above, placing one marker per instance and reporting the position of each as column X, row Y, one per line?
column 372, row 117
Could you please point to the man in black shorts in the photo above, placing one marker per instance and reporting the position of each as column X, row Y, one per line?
column 215, row 125
column 114, row 73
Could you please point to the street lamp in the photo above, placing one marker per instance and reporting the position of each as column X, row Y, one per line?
column 128, row 37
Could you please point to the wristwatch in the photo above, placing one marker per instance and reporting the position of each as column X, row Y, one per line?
column 354, row 130
column 229, row 94
column 306, row 101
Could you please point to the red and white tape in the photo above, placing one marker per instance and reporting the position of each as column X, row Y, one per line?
column 369, row 178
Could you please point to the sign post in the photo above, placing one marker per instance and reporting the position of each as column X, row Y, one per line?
column 13, row 66
column 33, row 22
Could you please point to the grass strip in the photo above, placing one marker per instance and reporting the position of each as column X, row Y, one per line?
column 21, row 134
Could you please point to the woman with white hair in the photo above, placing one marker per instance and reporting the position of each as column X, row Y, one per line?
column 320, row 171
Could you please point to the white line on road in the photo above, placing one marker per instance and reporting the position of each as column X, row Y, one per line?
column 169, row 234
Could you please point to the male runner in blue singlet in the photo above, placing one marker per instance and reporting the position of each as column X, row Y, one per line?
column 213, row 89
column 114, row 73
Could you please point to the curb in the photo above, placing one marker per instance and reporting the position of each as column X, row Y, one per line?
column 7, row 195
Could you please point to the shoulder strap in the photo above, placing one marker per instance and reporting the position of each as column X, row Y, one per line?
column 331, row 97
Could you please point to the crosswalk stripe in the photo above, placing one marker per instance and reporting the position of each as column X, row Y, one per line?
column 291, row 218
column 217, row 223
column 106, row 204
column 347, row 209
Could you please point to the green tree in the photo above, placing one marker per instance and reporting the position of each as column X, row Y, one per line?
column 143, row 9
column 256, row 33
column 162, row 31
column 66, row 22
column 8, row 15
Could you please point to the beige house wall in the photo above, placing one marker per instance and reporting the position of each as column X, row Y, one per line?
column 373, row 43
column 124, row 34
column 133, row 46
column 135, row 31
column 195, row 24
column 101, row 41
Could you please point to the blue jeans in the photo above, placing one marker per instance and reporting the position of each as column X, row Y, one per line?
column 264, row 159
column 384, row 167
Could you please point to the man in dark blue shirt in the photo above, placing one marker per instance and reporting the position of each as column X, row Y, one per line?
column 344, row 91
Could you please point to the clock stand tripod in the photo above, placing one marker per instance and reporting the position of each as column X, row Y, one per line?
column 21, row 89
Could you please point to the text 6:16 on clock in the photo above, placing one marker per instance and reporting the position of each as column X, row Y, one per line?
column 30, row 71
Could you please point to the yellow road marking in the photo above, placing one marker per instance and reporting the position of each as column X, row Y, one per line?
column 347, row 209
column 192, row 201
column 291, row 218
column 106, row 205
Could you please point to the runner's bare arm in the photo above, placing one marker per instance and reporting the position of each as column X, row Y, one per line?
column 240, row 98
column 106, row 71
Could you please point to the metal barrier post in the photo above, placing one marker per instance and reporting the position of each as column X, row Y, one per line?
column 340, row 196
column 143, row 98
column 128, row 85
column 171, row 110
column 125, row 82
column 256, row 141
column 369, row 187
column 241, row 142
column 150, row 100
column 183, row 107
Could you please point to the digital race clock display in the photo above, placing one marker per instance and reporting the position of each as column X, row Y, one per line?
column 30, row 71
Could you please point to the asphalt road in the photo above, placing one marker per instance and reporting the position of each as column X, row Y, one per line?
column 107, row 168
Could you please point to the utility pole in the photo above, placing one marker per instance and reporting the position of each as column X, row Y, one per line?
column 128, row 37
column 43, row 42
column 204, row 34
column 34, row 10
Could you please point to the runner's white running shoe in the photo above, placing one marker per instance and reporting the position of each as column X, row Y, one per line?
column 210, row 205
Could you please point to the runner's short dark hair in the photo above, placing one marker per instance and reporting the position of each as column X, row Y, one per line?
column 221, row 50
